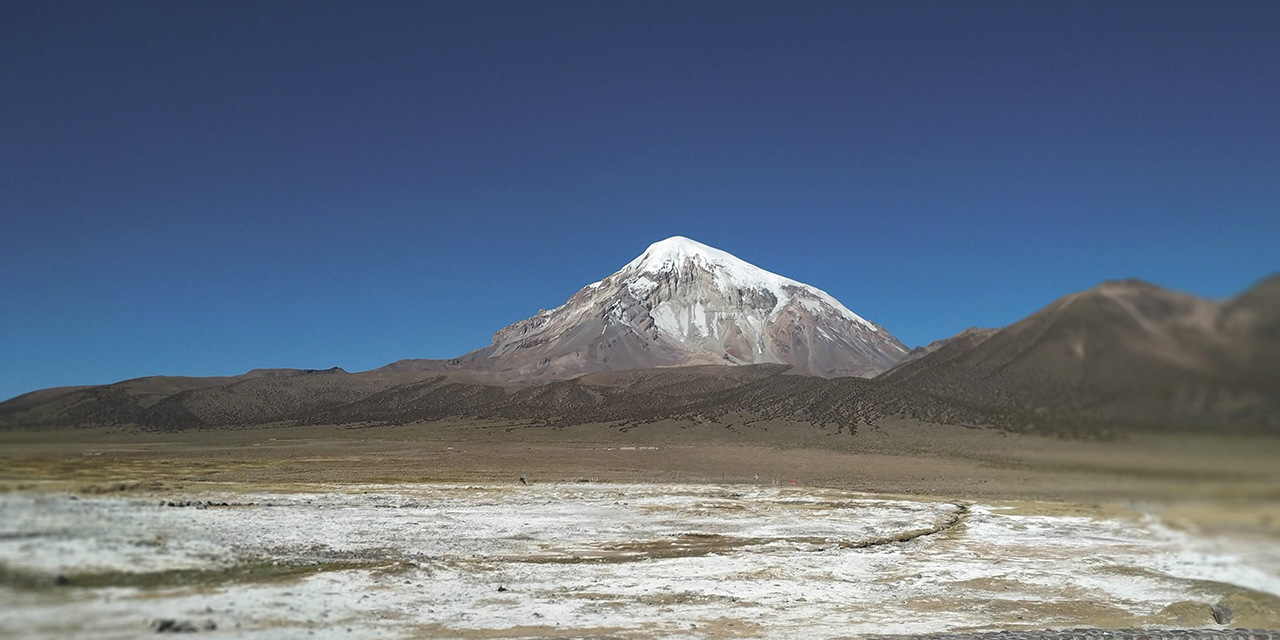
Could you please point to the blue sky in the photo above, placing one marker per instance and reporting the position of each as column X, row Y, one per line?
column 203, row 188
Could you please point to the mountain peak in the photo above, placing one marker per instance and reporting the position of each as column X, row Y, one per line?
column 680, row 303
column 679, row 244
column 671, row 253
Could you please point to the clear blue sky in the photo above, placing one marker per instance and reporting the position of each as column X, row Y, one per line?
column 203, row 188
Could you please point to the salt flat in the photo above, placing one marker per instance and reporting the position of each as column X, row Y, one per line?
column 568, row 560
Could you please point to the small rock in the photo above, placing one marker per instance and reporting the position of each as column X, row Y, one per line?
column 169, row 625
column 1221, row 613
column 502, row 588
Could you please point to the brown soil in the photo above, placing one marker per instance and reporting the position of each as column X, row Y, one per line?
column 1220, row 483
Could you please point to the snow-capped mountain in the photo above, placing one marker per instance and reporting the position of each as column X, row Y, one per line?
column 685, row 303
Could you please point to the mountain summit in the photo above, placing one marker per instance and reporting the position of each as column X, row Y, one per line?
column 682, row 302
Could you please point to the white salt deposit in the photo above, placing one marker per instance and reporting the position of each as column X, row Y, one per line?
column 637, row 560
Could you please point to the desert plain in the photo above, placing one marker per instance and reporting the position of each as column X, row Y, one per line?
column 698, row 529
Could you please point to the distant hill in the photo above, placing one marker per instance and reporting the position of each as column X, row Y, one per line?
column 1123, row 355
column 972, row 333
column 757, row 392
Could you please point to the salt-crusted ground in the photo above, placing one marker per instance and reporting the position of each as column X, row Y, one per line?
column 610, row 560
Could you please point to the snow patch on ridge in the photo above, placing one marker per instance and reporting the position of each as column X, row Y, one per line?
column 731, row 272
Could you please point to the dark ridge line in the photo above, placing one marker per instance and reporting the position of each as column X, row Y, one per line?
column 695, row 545
column 962, row 513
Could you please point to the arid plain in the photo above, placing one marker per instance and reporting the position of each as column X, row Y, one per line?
column 668, row 529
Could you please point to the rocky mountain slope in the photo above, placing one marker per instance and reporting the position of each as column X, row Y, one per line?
column 972, row 333
column 378, row 397
column 1124, row 352
column 684, row 303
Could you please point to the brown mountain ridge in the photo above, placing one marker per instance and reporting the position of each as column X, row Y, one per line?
column 1122, row 355
column 1125, row 352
